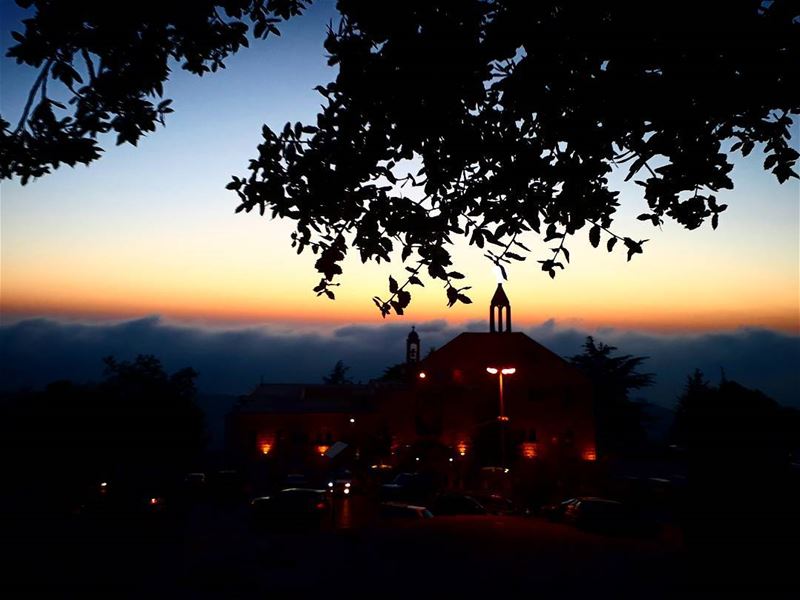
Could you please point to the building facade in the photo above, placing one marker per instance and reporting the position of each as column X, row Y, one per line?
column 496, row 399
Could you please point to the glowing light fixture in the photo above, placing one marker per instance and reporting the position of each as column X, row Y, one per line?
column 265, row 443
column 422, row 375
column 352, row 420
column 529, row 450
column 322, row 449
column 462, row 448
column 503, row 418
column 590, row 454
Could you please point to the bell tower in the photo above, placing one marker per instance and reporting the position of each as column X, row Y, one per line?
column 412, row 347
column 501, row 307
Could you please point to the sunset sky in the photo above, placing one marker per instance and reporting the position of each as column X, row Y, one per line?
column 152, row 231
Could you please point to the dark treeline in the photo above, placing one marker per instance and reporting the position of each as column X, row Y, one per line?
column 619, row 421
column 739, row 509
column 139, row 426
column 742, row 508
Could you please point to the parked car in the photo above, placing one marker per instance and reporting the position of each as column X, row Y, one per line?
column 401, row 510
column 195, row 480
column 292, row 508
column 194, row 487
column 342, row 483
column 496, row 504
column 601, row 515
column 409, row 487
column 227, row 485
column 298, row 480
column 456, row 503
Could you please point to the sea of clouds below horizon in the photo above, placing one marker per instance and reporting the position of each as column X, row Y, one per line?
column 36, row 351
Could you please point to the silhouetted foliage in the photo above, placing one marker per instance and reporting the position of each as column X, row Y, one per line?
column 486, row 120
column 397, row 373
column 138, row 424
column 696, row 391
column 732, row 426
column 742, row 510
column 161, row 422
column 506, row 117
column 618, row 420
column 111, row 60
column 338, row 375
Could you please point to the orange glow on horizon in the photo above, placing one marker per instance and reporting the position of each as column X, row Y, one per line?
column 57, row 295
column 657, row 319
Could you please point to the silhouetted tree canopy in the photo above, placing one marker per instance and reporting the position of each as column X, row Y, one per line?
column 110, row 61
column 743, row 495
column 139, row 422
column 734, row 427
column 395, row 373
column 480, row 119
column 618, row 420
column 338, row 375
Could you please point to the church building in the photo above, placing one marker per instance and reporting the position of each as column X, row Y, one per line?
column 485, row 399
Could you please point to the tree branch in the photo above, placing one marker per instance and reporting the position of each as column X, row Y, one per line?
column 89, row 64
column 40, row 82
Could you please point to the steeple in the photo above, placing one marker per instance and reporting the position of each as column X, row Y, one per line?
column 412, row 347
column 500, row 302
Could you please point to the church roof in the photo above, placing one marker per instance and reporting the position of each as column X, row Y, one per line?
column 477, row 350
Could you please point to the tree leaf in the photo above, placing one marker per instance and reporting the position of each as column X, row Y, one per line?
column 594, row 236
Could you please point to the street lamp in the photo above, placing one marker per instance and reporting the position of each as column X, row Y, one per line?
column 502, row 417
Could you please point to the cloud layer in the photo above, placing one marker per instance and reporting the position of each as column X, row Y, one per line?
column 36, row 351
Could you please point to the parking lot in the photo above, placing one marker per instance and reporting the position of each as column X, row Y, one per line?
column 213, row 550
